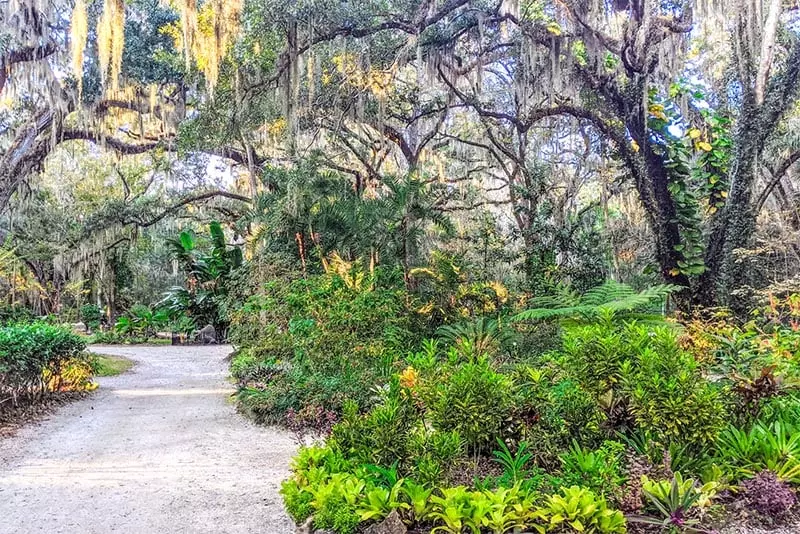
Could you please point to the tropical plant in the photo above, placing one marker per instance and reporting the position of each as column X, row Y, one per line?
column 610, row 298
column 673, row 500
column 417, row 496
column 474, row 402
column 483, row 336
column 775, row 447
column 141, row 322
column 379, row 502
column 515, row 465
column 208, row 276
column 455, row 510
column 449, row 292
column 599, row 471
column 580, row 510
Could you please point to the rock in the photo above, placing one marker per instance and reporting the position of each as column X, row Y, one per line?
column 305, row 528
column 391, row 525
column 207, row 335
column 326, row 531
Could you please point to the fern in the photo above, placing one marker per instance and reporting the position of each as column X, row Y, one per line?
column 610, row 298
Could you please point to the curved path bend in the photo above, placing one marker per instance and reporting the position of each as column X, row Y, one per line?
column 159, row 449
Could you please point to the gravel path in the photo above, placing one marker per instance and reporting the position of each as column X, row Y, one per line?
column 158, row 449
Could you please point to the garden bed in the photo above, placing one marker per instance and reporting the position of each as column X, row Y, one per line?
column 13, row 419
column 621, row 421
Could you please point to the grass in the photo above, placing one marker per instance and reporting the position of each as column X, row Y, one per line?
column 107, row 365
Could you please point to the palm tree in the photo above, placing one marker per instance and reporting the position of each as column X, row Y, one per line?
column 407, row 211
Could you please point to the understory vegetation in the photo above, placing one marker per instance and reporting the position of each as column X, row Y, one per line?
column 593, row 413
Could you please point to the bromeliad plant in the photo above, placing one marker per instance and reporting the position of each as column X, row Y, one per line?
column 674, row 501
column 775, row 447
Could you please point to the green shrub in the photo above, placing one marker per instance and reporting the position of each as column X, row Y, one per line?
column 38, row 357
column 553, row 412
column 319, row 341
column 644, row 369
column 784, row 408
column 672, row 400
column 91, row 316
column 474, row 401
column 15, row 314
column 432, row 453
column 378, row 437
column 595, row 354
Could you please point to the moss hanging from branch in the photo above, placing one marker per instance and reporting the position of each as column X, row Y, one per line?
column 78, row 33
column 205, row 34
column 111, row 41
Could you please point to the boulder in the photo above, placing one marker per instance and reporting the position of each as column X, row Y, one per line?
column 391, row 525
column 305, row 528
column 207, row 335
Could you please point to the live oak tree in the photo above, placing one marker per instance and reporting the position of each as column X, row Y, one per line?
column 616, row 66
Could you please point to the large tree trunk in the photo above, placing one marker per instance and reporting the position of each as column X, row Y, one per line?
column 734, row 227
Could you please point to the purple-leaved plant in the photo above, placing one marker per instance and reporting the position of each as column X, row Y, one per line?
column 768, row 495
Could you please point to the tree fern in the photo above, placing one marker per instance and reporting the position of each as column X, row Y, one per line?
column 609, row 298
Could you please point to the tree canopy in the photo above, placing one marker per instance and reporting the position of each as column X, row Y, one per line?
column 548, row 140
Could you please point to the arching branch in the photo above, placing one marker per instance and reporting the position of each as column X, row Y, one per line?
column 110, row 142
column 23, row 55
column 185, row 202
column 777, row 176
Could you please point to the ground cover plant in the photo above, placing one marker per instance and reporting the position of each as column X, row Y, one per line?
column 109, row 365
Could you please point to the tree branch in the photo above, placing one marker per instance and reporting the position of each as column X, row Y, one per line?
column 186, row 201
column 110, row 142
column 23, row 55
column 777, row 176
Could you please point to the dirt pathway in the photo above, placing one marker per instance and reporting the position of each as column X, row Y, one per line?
column 157, row 450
